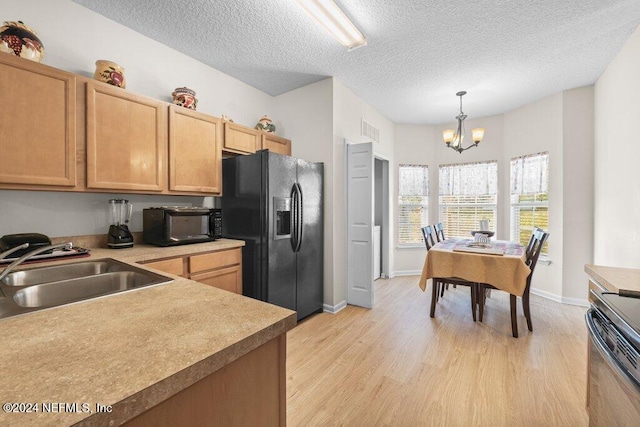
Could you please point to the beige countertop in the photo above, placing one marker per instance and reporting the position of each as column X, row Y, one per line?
column 615, row 278
column 131, row 350
column 142, row 252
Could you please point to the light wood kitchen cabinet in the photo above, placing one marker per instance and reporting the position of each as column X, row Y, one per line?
column 250, row 391
column 175, row 266
column 195, row 151
column 214, row 260
column 229, row 279
column 240, row 139
column 126, row 140
column 37, row 124
column 61, row 131
column 275, row 144
column 221, row 269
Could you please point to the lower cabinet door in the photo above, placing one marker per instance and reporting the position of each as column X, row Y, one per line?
column 229, row 279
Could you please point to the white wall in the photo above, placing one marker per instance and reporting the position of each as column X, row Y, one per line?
column 59, row 214
column 74, row 38
column 417, row 144
column 319, row 117
column 316, row 118
column 617, row 155
column 414, row 146
column 559, row 124
column 306, row 117
column 531, row 129
column 578, row 204
column 348, row 110
column 491, row 148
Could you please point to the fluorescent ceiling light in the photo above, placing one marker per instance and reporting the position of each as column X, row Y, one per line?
column 329, row 15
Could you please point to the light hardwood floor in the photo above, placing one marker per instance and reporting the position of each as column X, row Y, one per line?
column 394, row 365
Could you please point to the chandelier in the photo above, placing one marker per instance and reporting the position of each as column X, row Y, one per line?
column 454, row 139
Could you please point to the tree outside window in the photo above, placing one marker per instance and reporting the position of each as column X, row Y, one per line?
column 529, row 196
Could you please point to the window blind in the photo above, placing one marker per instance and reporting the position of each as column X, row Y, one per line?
column 529, row 196
column 468, row 193
column 413, row 197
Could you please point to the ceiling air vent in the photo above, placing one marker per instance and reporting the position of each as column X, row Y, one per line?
column 370, row 131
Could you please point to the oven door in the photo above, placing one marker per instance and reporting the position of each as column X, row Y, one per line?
column 614, row 397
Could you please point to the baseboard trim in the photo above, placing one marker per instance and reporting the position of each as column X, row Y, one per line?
column 333, row 309
column 562, row 300
column 407, row 273
column 547, row 295
column 576, row 301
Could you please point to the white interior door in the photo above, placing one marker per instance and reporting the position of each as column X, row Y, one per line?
column 360, row 183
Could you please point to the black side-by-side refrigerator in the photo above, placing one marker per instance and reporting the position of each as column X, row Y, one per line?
column 275, row 204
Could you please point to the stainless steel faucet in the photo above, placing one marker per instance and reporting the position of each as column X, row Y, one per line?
column 6, row 253
column 26, row 256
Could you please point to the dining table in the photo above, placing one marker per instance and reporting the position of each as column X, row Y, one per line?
column 499, row 263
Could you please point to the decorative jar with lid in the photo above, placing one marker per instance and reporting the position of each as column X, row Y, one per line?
column 20, row 40
column 185, row 97
column 265, row 124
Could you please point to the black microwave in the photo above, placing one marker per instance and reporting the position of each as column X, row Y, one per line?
column 179, row 225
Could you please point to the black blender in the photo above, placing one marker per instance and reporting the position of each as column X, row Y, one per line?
column 119, row 216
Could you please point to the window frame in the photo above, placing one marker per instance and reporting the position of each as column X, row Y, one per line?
column 459, row 205
column 536, row 203
column 425, row 206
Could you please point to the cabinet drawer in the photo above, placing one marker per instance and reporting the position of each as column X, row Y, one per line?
column 171, row 266
column 210, row 261
column 229, row 279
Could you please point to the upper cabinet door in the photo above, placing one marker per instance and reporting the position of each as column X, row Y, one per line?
column 37, row 124
column 195, row 152
column 126, row 140
column 275, row 144
column 240, row 139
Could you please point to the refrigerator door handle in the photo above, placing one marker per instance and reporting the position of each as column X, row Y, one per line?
column 294, row 217
column 299, row 219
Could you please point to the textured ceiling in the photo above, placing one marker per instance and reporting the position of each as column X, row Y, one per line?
column 419, row 54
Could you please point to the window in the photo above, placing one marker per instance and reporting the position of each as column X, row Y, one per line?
column 468, row 194
column 413, row 196
column 529, row 196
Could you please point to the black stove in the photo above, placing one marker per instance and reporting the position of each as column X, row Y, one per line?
column 622, row 312
column 614, row 322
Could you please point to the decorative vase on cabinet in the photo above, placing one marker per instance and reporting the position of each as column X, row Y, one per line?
column 20, row 40
column 110, row 72
column 185, row 97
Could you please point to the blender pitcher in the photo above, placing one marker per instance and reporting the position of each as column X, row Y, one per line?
column 119, row 216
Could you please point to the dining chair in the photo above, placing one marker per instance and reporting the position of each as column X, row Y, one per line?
column 439, row 230
column 534, row 232
column 427, row 235
column 429, row 242
column 538, row 239
column 439, row 283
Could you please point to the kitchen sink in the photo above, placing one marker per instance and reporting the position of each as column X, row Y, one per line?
column 45, row 287
column 57, row 273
